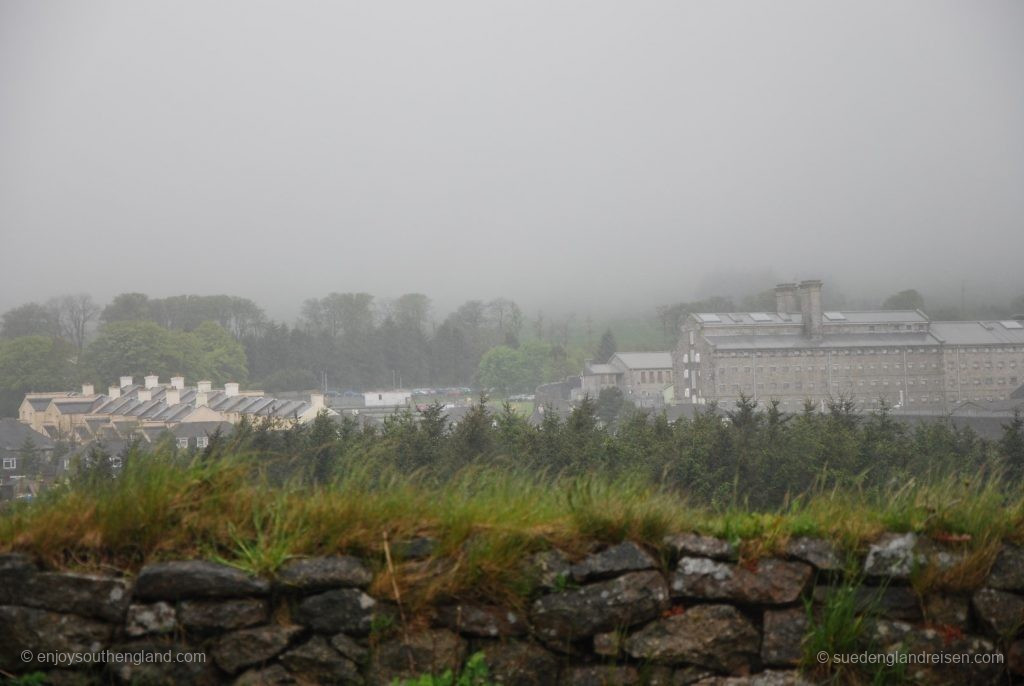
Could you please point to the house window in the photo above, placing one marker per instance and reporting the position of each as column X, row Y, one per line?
column 10, row 462
column 182, row 442
column 202, row 441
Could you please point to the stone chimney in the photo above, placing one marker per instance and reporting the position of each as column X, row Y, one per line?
column 145, row 395
column 202, row 397
column 126, row 381
column 178, row 382
column 172, row 396
column 88, row 389
column 810, row 307
column 785, row 299
column 317, row 401
column 114, row 392
column 231, row 389
column 204, row 386
column 151, row 381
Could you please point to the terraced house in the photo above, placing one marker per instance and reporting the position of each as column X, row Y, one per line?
column 148, row 410
column 803, row 353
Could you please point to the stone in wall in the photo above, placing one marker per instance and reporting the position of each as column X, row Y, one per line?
column 1008, row 569
column 549, row 569
column 323, row 573
column 211, row 616
column 154, row 618
column 695, row 545
column 714, row 636
column 485, row 621
column 247, row 647
column 274, row 675
column 431, row 651
column 41, row 631
column 603, row 675
column 89, row 595
column 317, row 662
column 766, row 678
column 817, row 552
column 579, row 613
column 1000, row 612
column 183, row 579
column 770, row 582
column 892, row 636
column 346, row 610
column 180, row 670
column 784, row 632
column 613, row 561
column 893, row 556
column 519, row 663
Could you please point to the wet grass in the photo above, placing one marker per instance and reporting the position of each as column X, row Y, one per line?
column 486, row 521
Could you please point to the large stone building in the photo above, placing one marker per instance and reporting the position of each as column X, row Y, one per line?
column 803, row 353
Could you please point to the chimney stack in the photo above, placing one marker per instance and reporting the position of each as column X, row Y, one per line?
column 317, row 401
column 145, row 395
column 231, row 389
column 204, row 386
column 178, row 382
column 88, row 389
column 172, row 396
column 114, row 392
column 810, row 307
column 152, row 381
column 201, row 398
column 126, row 381
column 785, row 299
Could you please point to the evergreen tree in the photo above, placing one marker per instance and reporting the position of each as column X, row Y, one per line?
column 1012, row 446
column 606, row 348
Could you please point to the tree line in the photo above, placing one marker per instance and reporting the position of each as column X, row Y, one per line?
column 744, row 457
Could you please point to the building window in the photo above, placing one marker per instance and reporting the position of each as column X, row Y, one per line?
column 10, row 462
column 202, row 441
column 182, row 442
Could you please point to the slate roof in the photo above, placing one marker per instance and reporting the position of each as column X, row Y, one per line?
column 13, row 434
column 648, row 360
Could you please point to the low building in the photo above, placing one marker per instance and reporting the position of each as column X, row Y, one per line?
column 395, row 398
column 643, row 377
column 16, row 476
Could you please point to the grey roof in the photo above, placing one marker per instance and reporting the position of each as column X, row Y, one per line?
column 197, row 429
column 601, row 368
column 13, row 433
column 77, row 405
column 648, row 360
column 39, row 404
column 828, row 341
column 777, row 318
column 977, row 333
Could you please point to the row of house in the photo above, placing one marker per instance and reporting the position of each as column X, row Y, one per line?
column 147, row 410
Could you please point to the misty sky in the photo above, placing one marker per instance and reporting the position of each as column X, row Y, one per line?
column 598, row 154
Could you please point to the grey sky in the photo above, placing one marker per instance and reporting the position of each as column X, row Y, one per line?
column 554, row 152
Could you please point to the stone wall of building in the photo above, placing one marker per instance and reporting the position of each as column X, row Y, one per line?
column 689, row 612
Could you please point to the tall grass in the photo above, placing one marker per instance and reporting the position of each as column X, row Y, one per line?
column 485, row 519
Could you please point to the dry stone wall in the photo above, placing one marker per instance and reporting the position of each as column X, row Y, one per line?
column 691, row 612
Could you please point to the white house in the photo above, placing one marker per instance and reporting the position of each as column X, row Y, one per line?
column 387, row 398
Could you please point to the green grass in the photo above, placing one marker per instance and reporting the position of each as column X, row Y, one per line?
column 486, row 520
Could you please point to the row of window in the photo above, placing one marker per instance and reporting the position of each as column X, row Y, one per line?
column 660, row 376
column 201, row 442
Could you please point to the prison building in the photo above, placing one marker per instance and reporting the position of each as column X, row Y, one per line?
column 802, row 353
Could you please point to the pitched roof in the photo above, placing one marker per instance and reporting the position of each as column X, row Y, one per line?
column 13, row 434
column 649, row 360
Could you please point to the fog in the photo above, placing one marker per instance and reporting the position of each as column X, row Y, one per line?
column 606, row 155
